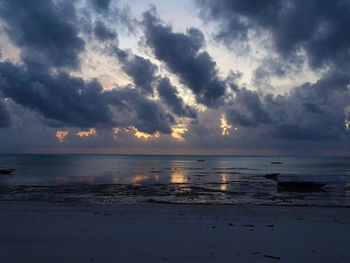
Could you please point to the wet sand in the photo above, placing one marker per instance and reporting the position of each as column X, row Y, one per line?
column 75, row 232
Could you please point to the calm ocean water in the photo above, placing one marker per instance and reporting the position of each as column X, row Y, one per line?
column 178, row 179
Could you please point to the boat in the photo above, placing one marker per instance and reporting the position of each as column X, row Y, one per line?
column 300, row 186
column 6, row 171
column 278, row 161
column 272, row 176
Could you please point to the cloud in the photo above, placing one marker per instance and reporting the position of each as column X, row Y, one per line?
column 101, row 5
column 69, row 101
column 299, row 32
column 103, row 33
column 62, row 98
column 183, row 56
column 144, row 75
column 4, row 115
column 41, row 93
column 247, row 109
column 135, row 109
column 44, row 30
column 113, row 13
column 169, row 95
column 317, row 28
column 140, row 69
column 308, row 112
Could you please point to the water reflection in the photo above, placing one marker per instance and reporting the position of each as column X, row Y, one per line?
column 224, row 181
column 86, row 179
column 217, row 178
column 139, row 178
column 61, row 180
column 178, row 178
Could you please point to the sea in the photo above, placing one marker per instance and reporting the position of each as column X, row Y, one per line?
column 174, row 179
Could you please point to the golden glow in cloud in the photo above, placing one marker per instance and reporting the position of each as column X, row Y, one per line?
column 60, row 135
column 178, row 132
column 115, row 133
column 347, row 121
column 88, row 133
column 225, row 126
column 145, row 136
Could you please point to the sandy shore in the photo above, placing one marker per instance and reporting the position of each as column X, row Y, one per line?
column 52, row 232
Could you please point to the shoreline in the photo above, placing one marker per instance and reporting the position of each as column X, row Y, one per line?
column 209, row 194
column 35, row 231
column 169, row 203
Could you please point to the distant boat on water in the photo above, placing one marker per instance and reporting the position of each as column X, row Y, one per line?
column 278, row 162
column 6, row 171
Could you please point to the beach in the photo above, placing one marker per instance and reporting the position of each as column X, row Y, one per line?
column 111, row 208
column 149, row 232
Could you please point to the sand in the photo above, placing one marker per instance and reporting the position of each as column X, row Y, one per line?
column 71, row 232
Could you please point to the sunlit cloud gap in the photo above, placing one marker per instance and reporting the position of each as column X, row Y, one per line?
column 61, row 135
column 91, row 131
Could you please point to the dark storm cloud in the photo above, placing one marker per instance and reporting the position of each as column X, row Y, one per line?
column 103, row 33
column 47, row 34
column 248, row 109
column 140, row 69
column 169, row 95
column 44, row 30
column 144, row 75
column 312, row 31
column 308, row 112
column 4, row 115
column 101, row 5
column 319, row 28
column 135, row 109
column 183, row 56
column 116, row 14
column 69, row 101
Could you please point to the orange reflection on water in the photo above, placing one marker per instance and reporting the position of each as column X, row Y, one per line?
column 115, row 180
column 61, row 179
column 86, row 179
column 178, row 178
column 139, row 178
column 224, row 180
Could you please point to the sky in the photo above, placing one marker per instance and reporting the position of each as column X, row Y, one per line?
column 175, row 77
